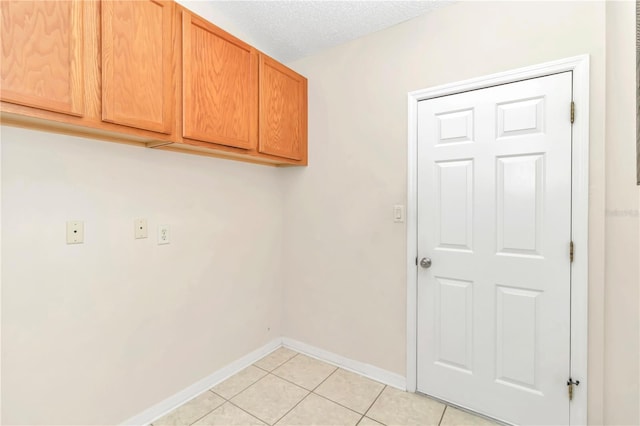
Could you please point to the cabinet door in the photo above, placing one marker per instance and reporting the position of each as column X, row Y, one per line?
column 283, row 111
column 137, row 64
column 220, row 96
column 42, row 56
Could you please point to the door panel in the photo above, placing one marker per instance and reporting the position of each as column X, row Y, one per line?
column 137, row 63
column 454, row 323
column 494, row 215
column 519, row 209
column 516, row 338
column 46, row 71
column 454, row 204
column 455, row 127
column 520, row 117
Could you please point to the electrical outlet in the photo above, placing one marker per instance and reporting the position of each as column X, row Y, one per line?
column 140, row 228
column 75, row 232
column 163, row 234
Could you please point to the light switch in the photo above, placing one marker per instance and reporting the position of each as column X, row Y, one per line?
column 75, row 232
column 398, row 213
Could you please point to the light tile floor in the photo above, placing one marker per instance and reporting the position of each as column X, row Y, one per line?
column 288, row 388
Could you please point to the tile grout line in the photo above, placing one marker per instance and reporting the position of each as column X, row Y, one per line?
column 251, row 385
column 217, row 394
column 336, row 403
column 235, row 405
column 312, row 392
column 243, row 389
column 286, row 380
column 442, row 416
column 316, row 394
column 325, row 379
column 252, row 415
column 309, row 392
column 202, row 417
column 292, row 408
column 300, row 386
column 268, row 373
column 373, row 403
column 276, row 367
column 293, row 383
column 246, row 411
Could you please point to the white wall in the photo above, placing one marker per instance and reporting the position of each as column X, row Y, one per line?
column 98, row 332
column 345, row 278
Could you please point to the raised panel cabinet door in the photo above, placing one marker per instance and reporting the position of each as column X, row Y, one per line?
column 220, row 96
column 283, row 111
column 137, row 64
column 42, row 58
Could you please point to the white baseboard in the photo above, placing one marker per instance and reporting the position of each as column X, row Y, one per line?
column 185, row 395
column 201, row 386
column 367, row 370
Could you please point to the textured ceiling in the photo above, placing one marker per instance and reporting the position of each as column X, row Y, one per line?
column 289, row 30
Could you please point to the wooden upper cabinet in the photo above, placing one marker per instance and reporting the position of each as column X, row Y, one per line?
column 283, row 111
column 147, row 72
column 42, row 56
column 138, row 64
column 219, row 85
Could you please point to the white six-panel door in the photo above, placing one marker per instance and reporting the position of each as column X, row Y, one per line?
column 494, row 216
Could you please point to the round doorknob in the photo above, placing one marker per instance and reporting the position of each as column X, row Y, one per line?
column 425, row 262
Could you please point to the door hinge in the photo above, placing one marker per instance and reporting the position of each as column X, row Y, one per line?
column 573, row 112
column 571, row 251
column 570, row 385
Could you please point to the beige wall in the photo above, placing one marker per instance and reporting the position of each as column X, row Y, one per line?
column 345, row 277
column 622, row 293
column 96, row 333
column 99, row 332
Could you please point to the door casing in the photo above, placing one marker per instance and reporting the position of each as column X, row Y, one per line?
column 579, row 65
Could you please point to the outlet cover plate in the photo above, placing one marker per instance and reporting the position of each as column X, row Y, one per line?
column 140, row 228
column 75, row 232
column 163, row 234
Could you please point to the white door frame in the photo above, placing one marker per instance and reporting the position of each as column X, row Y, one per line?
column 579, row 212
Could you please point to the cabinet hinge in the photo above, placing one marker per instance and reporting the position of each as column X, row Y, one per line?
column 573, row 112
column 571, row 251
column 570, row 385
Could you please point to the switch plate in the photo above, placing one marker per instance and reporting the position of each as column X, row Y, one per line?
column 140, row 228
column 163, row 234
column 75, row 232
column 398, row 213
